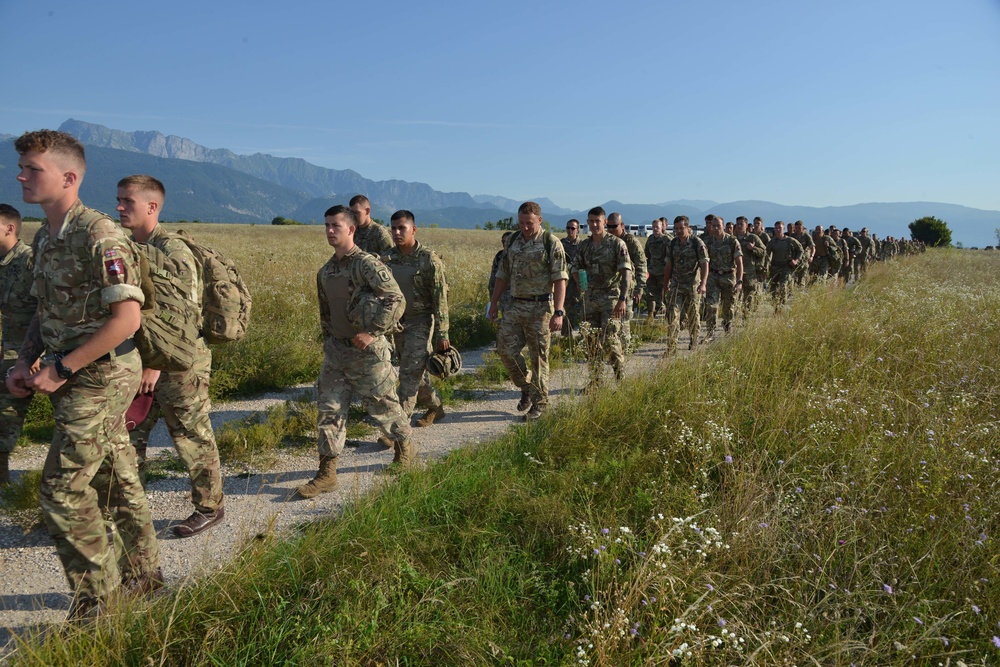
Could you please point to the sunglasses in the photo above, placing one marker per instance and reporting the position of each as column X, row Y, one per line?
column 611, row 226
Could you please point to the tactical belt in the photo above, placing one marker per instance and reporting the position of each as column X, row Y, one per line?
column 536, row 299
column 124, row 347
column 723, row 273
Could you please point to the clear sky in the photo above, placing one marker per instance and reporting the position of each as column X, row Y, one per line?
column 792, row 101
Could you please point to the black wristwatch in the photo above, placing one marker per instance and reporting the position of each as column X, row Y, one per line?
column 559, row 313
column 62, row 371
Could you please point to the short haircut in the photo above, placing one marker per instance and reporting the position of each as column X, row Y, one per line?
column 778, row 223
column 573, row 220
column 758, row 219
column 617, row 217
column 359, row 199
column 403, row 215
column 598, row 211
column 710, row 217
column 11, row 216
column 682, row 219
column 340, row 209
column 144, row 184
column 741, row 218
column 52, row 141
column 800, row 223
column 503, row 239
column 529, row 208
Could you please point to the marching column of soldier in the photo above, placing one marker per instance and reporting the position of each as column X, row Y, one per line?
column 70, row 304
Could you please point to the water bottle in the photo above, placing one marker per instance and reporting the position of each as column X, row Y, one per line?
column 583, row 280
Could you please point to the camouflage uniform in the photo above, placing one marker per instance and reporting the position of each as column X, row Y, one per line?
column 781, row 252
column 374, row 239
column 656, row 262
column 357, row 293
column 504, row 302
column 805, row 239
column 824, row 255
column 604, row 264
column 722, row 254
column 573, row 296
column 855, row 251
column 531, row 270
column 685, row 260
column 638, row 259
column 421, row 278
column 866, row 257
column 17, row 307
column 181, row 397
column 88, row 266
column 753, row 270
column 843, row 270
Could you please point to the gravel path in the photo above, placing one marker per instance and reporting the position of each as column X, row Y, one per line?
column 33, row 588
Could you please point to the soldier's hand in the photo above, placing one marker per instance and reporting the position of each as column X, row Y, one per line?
column 702, row 288
column 555, row 323
column 444, row 345
column 493, row 312
column 45, row 381
column 148, row 381
column 15, row 381
column 362, row 340
column 620, row 309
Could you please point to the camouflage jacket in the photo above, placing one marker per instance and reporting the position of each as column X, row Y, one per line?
column 374, row 239
column 603, row 263
column 854, row 246
column 178, row 250
column 421, row 278
column 753, row 255
column 722, row 253
column 845, row 251
column 808, row 246
column 570, row 248
column 782, row 251
column 17, row 306
column 357, row 293
column 656, row 254
column 638, row 259
column 685, row 260
column 867, row 247
column 531, row 266
column 79, row 273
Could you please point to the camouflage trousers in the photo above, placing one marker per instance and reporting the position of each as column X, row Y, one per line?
column 653, row 294
column 721, row 289
column 749, row 295
column 682, row 299
column 571, row 305
column 12, row 410
column 369, row 374
column 91, row 466
column 527, row 323
column 413, row 347
column 820, row 267
column 181, row 398
column 603, row 344
column 847, row 270
column 801, row 271
column 780, row 285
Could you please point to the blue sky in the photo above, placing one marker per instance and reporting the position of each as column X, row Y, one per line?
column 797, row 102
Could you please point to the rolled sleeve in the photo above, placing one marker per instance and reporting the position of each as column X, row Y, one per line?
column 115, row 293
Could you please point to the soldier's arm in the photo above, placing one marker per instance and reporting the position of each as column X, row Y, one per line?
column 383, row 286
column 440, row 303
column 324, row 307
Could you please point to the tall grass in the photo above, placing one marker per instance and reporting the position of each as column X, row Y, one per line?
column 820, row 489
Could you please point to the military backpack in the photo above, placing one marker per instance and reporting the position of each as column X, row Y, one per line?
column 167, row 339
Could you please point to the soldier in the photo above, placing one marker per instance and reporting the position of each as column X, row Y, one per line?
column 17, row 307
column 855, row 250
column 867, row 252
column 571, row 244
column 725, row 275
column 359, row 303
column 753, row 260
column 802, row 235
column 841, row 271
column 181, row 397
column 656, row 258
column 420, row 274
column 825, row 253
column 784, row 253
column 686, row 276
column 87, row 285
column 370, row 236
column 616, row 227
column 497, row 263
column 535, row 268
column 605, row 303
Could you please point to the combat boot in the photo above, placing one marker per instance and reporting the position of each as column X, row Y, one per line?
column 325, row 480
column 406, row 453
column 525, row 401
column 432, row 415
column 385, row 442
column 4, row 467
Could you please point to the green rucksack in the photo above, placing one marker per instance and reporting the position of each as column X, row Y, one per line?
column 167, row 339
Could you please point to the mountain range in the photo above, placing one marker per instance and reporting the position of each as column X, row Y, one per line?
column 218, row 185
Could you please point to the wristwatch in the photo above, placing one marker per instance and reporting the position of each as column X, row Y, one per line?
column 559, row 313
column 62, row 371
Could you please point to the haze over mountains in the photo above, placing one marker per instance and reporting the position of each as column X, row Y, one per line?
column 217, row 185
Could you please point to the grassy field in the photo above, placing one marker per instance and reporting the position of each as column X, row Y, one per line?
column 819, row 490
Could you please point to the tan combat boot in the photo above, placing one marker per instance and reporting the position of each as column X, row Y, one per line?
column 325, row 480
column 4, row 467
column 406, row 453
column 432, row 415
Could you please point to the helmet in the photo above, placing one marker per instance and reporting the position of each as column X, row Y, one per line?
column 444, row 364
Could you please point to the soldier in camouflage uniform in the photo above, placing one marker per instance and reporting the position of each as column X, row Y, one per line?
column 87, row 285
column 867, row 252
column 497, row 263
column 371, row 237
column 605, row 303
column 855, row 249
column 686, row 278
column 180, row 397
column 535, row 268
column 784, row 253
column 17, row 307
column 725, row 274
column 825, row 253
column 802, row 235
column 753, row 261
column 571, row 244
column 359, row 304
column 656, row 261
column 616, row 227
column 765, row 238
column 842, row 270
column 419, row 272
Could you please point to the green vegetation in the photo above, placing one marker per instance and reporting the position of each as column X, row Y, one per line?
column 818, row 490
column 280, row 220
column 19, row 500
column 931, row 231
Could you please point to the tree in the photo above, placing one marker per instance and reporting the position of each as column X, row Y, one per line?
column 931, row 231
column 996, row 232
